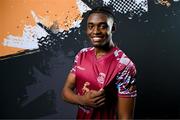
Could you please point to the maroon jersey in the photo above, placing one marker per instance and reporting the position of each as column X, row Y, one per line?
column 114, row 72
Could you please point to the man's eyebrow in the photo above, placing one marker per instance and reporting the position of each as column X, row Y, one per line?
column 90, row 23
column 105, row 23
column 98, row 23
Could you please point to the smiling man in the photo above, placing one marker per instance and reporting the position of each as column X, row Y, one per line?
column 102, row 80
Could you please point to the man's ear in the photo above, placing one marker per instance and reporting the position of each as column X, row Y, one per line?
column 114, row 27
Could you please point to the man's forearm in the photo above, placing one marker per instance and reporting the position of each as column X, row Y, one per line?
column 69, row 96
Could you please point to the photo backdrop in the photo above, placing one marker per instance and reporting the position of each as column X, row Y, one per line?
column 39, row 40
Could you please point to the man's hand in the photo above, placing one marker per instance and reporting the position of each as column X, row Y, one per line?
column 93, row 98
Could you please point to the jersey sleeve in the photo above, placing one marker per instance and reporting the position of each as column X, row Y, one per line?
column 126, row 81
column 75, row 64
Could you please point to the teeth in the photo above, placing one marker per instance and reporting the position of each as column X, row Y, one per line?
column 96, row 38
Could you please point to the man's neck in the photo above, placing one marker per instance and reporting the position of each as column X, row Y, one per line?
column 100, row 51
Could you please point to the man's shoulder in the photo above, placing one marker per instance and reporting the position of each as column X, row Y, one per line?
column 122, row 57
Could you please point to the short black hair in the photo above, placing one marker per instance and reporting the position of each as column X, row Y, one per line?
column 104, row 9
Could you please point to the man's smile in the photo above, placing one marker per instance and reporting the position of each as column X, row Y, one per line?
column 96, row 39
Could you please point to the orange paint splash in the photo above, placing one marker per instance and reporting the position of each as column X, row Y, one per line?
column 17, row 13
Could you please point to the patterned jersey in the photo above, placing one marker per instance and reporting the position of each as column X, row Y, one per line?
column 114, row 72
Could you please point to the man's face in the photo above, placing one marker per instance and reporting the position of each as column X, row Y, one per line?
column 99, row 29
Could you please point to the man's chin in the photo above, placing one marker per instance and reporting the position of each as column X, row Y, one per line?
column 101, row 45
column 97, row 45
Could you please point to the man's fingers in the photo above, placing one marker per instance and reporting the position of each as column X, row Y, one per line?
column 95, row 98
column 101, row 90
column 98, row 98
column 100, row 102
column 95, row 93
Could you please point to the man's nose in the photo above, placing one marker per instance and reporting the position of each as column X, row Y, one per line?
column 96, row 30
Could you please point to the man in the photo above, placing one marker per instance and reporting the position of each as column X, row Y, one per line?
column 102, row 80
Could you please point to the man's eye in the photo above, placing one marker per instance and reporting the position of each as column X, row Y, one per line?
column 103, row 26
column 90, row 26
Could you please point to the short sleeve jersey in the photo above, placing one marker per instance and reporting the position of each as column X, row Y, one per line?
column 114, row 72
